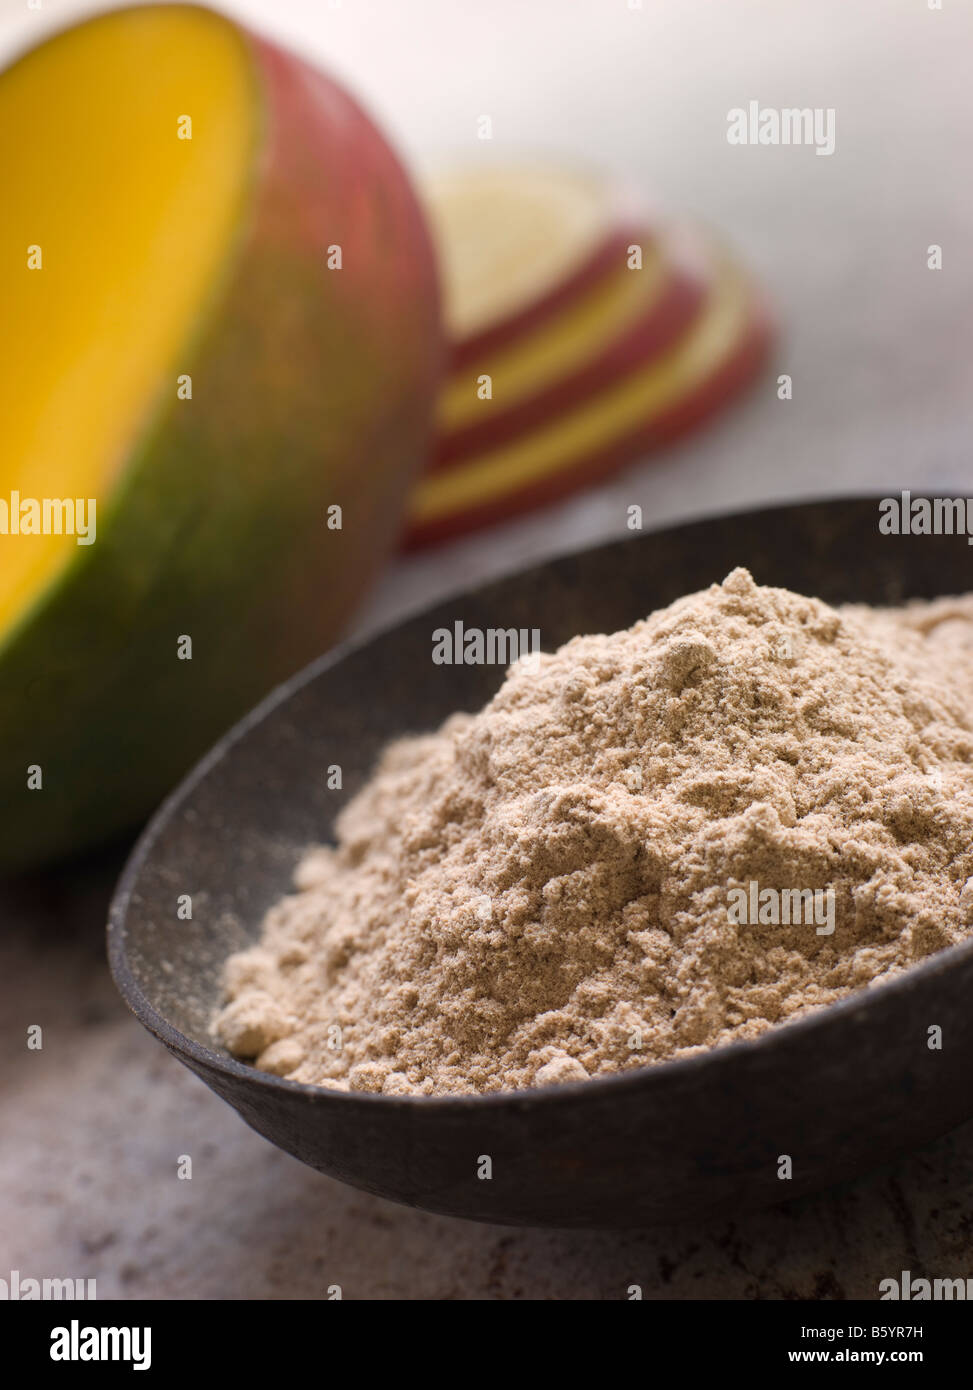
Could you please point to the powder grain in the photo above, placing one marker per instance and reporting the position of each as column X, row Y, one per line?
column 539, row 892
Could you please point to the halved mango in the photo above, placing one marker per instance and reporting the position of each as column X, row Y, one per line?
column 221, row 328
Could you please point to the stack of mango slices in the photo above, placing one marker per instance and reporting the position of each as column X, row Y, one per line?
column 585, row 333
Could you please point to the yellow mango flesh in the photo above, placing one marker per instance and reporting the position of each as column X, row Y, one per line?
column 506, row 237
column 636, row 399
column 113, row 235
column 544, row 357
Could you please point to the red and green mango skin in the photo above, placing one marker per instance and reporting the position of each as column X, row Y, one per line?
column 311, row 387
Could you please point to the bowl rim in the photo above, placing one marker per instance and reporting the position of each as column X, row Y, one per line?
column 719, row 1057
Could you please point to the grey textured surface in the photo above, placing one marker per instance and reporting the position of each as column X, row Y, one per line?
column 879, row 349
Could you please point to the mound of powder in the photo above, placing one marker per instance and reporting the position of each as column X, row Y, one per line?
column 539, row 892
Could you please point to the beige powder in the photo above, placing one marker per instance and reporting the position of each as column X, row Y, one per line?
column 539, row 892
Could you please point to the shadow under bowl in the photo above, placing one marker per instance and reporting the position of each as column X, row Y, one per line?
column 839, row 1091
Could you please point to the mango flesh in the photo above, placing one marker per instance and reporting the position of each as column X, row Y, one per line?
column 509, row 236
column 280, row 262
column 709, row 362
column 129, row 236
column 536, row 361
column 590, row 372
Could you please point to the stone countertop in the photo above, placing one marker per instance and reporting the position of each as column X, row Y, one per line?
column 94, row 1124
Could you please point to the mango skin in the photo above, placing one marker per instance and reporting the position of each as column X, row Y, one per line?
column 311, row 387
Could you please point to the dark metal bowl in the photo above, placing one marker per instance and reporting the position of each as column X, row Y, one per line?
column 840, row 1091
